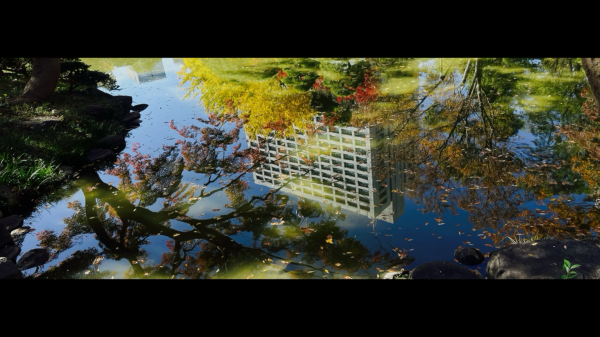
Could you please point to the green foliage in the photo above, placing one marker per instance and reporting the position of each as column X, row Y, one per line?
column 15, row 67
column 77, row 75
column 26, row 173
column 568, row 268
column 300, row 79
column 323, row 101
column 74, row 74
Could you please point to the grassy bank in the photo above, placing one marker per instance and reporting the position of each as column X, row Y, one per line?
column 37, row 139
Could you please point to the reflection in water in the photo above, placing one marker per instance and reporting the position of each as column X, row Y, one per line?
column 342, row 169
column 156, row 73
column 371, row 136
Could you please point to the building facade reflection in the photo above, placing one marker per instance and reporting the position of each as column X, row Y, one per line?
column 342, row 166
column 156, row 73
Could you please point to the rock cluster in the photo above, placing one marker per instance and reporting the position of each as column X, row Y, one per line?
column 540, row 259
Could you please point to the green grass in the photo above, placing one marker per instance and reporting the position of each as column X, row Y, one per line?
column 26, row 173
column 29, row 156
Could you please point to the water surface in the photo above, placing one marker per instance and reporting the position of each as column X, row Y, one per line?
column 327, row 168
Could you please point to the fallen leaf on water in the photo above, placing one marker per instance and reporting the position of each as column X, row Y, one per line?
column 338, row 264
column 216, row 209
column 325, row 270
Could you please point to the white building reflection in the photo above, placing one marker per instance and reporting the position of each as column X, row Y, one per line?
column 156, row 73
column 349, row 170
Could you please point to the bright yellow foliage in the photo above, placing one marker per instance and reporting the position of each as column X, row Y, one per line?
column 264, row 104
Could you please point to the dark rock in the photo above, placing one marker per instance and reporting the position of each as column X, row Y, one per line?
column 543, row 259
column 112, row 142
column 8, row 196
column 12, row 222
column 469, row 256
column 66, row 171
column 401, row 274
column 139, row 107
column 5, row 238
column 10, row 252
column 130, row 117
column 95, row 155
column 41, row 124
column 96, row 110
column 33, row 258
column 443, row 270
column 124, row 101
column 98, row 93
column 37, row 125
column 50, row 123
column 8, row 270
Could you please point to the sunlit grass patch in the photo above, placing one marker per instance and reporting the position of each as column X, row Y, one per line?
column 26, row 173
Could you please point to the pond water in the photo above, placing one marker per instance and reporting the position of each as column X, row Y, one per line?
column 327, row 168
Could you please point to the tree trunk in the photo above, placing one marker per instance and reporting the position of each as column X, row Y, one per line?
column 43, row 81
column 592, row 71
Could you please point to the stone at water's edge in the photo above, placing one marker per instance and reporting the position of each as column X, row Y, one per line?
column 10, row 252
column 112, row 142
column 139, row 107
column 443, row 270
column 469, row 256
column 8, row 270
column 12, row 222
column 131, row 117
column 543, row 259
column 8, row 196
column 5, row 238
column 66, row 171
column 33, row 258
column 96, row 110
column 124, row 101
column 18, row 235
column 98, row 155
